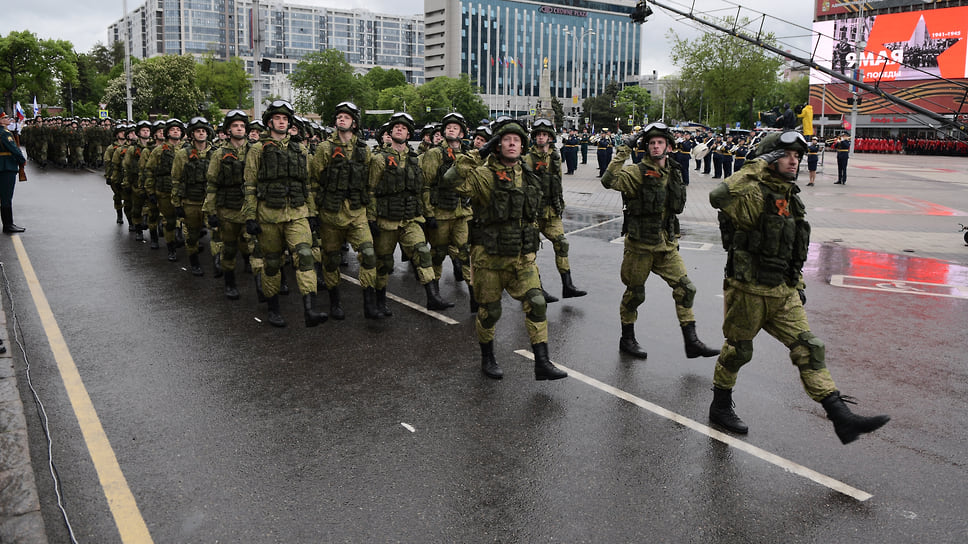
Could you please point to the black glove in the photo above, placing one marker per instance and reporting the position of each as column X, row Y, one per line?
column 773, row 156
column 213, row 221
column 179, row 211
column 487, row 148
column 803, row 296
column 374, row 229
column 252, row 227
column 313, row 223
column 430, row 222
column 153, row 198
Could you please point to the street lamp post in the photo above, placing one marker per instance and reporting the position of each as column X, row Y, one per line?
column 576, row 65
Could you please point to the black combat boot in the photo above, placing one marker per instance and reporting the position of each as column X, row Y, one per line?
column 458, row 272
column 694, row 347
column 275, row 318
column 628, row 344
column 154, row 239
column 217, row 265
column 370, row 310
column 335, row 306
column 6, row 212
column 847, row 424
column 549, row 298
column 568, row 289
column 721, row 412
column 474, row 304
column 172, row 256
column 139, row 235
column 381, row 302
column 312, row 317
column 195, row 265
column 434, row 302
column 543, row 369
column 120, row 219
column 320, row 282
column 489, row 365
column 259, row 293
column 231, row 290
column 179, row 236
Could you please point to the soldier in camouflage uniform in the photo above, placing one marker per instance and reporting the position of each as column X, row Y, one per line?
column 109, row 166
column 132, row 183
column 341, row 181
column 446, row 212
column 117, row 174
column 546, row 162
column 766, row 236
column 506, row 198
column 654, row 195
column 396, row 212
column 151, row 204
column 225, row 195
column 57, row 143
column 158, row 181
column 188, row 184
column 280, row 210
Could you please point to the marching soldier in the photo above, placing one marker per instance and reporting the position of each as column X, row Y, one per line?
column 544, row 161
column 654, row 195
column 279, row 210
column 396, row 213
column 109, row 170
column 132, row 183
column 339, row 171
column 188, row 185
column 158, row 182
column 158, row 138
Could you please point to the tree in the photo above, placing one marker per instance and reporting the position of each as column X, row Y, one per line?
column 164, row 86
column 323, row 79
column 633, row 103
column 403, row 98
column 226, row 84
column 446, row 94
column 600, row 109
column 30, row 67
column 379, row 78
column 712, row 60
column 559, row 111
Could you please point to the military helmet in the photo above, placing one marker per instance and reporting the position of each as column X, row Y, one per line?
column 129, row 129
column 200, row 122
column 427, row 130
column 157, row 124
column 174, row 122
column 255, row 124
column 483, row 131
column 122, row 128
column 544, row 125
column 656, row 129
column 381, row 131
column 454, row 117
column 401, row 118
column 349, row 108
column 506, row 125
column 233, row 116
column 278, row 106
column 142, row 124
column 786, row 140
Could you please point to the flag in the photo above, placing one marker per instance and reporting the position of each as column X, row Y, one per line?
column 36, row 107
column 19, row 112
column 492, row 59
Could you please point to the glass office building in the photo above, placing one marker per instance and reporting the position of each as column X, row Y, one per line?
column 290, row 31
column 503, row 44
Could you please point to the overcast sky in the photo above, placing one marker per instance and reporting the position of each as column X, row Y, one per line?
column 86, row 23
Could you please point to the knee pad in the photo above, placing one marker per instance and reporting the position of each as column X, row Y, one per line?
column 684, row 293
column 492, row 312
column 736, row 355
column 637, row 297
column 229, row 250
column 438, row 255
column 367, row 255
column 332, row 260
column 384, row 264
column 304, row 257
column 816, row 349
column 539, row 307
column 272, row 263
column 421, row 254
column 561, row 246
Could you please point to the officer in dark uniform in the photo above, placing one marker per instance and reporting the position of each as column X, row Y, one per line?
column 683, row 155
column 716, row 151
column 843, row 153
column 569, row 151
column 813, row 153
column 583, row 142
column 11, row 159
column 739, row 155
column 605, row 144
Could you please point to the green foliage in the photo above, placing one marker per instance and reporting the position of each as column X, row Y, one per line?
column 599, row 108
column 379, row 79
column 165, row 86
column 29, row 67
column 446, row 94
column 559, row 112
column 323, row 79
column 634, row 102
column 225, row 84
column 400, row 98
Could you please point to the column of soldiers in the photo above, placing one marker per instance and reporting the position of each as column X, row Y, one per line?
column 66, row 142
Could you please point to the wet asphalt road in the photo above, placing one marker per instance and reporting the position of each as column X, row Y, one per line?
column 227, row 430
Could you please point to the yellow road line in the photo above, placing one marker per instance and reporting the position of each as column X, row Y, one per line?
column 127, row 516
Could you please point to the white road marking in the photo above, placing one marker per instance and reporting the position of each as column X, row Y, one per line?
column 408, row 427
column 594, row 226
column 729, row 440
column 888, row 285
column 407, row 303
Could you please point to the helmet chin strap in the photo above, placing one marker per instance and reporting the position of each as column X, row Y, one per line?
column 345, row 129
column 398, row 140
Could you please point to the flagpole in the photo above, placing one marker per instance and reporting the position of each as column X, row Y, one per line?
column 127, row 60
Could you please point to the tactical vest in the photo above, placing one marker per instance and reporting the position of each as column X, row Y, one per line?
column 163, row 170
column 282, row 176
column 194, row 176
column 132, row 173
column 398, row 193
column 550, row 175
column 445, row 198
column 654, row 207
column 775, row 250
column 230, row 183
column 344, row 178
column 507, row 226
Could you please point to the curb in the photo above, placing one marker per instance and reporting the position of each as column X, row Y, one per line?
column 20, row 517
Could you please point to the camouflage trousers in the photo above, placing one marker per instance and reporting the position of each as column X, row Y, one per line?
column 523, row 284
column 274, row 239
column 231, row 234
column 357, row 234
column 782, row 318
column 637, row 264
column 450, row 238
column 168, row 211
column 410, row 236
column 194, row 222
column 554, row 230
